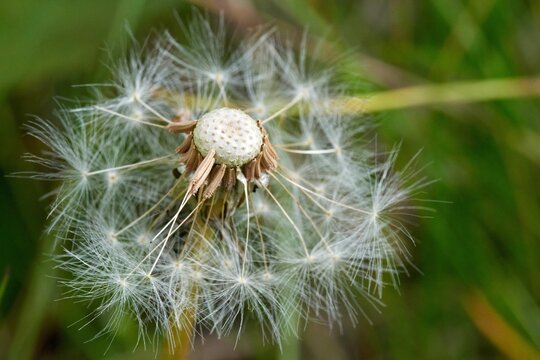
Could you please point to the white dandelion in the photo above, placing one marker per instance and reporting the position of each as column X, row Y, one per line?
column 212, row 184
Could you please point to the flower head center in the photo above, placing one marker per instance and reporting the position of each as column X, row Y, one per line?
column 232, row 134
column 222, row 145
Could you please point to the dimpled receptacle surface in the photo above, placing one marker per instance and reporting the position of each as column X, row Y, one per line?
column 233, row 134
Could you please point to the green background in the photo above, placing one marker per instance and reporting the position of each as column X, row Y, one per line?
column 477, row 293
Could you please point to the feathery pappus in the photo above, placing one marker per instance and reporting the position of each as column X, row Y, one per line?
column 212, row 183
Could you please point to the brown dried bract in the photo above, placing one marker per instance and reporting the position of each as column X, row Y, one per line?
column 208, row 174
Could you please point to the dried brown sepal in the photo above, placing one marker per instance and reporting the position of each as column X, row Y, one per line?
column 194, row 162
column 184, row 126
column 270, row 148
column 268, row 161
column 268, row 157
column 191, row 152
column 186, row 144
column 229, row 180
column 205, row 171
column 201, row 174
column 249, row 170
column 216, row 177
column 257, row 171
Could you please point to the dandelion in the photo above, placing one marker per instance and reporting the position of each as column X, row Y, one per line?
column 209, row 185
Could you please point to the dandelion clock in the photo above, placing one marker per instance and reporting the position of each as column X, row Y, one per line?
column 209, row 185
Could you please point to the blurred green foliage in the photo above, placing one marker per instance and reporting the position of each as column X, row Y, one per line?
column 478, row 292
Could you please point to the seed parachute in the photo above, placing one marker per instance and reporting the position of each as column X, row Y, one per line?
column 215, row 182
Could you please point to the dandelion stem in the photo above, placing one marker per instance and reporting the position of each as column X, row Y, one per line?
column 213, row 198
column 178, row 345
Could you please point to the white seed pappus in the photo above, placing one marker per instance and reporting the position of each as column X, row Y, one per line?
column 213, row 183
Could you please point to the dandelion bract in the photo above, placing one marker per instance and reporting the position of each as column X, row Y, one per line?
column 213, row 183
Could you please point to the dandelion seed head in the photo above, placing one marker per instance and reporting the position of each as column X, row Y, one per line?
column 212, row 182
column 233, row 135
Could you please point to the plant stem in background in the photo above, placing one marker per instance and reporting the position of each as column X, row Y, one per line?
column 497, row 330
column 458, row 92
column 3, row 283
column 39, row 295
column 291, row 348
